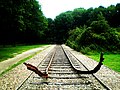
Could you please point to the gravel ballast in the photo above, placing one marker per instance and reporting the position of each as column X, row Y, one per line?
column 105, row 74
column 12, row 79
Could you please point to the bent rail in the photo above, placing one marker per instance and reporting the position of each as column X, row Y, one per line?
column 45, row 75
column 97, row 68
column 35, row 69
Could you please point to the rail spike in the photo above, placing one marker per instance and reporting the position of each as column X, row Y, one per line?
column 97, row 68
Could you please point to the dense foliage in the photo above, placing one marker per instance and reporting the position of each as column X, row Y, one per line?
column 91, row 29
column 22, row 21
column 98, row 36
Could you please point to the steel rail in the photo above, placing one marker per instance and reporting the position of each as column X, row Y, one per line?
column 50, row 62
column 46, row 71
column 85, row 67
column 33, row 72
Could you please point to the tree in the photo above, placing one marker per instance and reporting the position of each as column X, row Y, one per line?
column 35, row 22
column 93, row 13
column 101, row 25
column 118, row 15
column 79, row 16
column 50, row 32
column 63, row 24
column 21, row 22
column 74, row 35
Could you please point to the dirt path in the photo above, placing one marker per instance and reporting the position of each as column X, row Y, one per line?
column 7, row 63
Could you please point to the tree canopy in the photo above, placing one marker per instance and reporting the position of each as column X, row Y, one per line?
column 22, row 21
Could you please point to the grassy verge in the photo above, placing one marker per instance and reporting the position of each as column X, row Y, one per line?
column 111, row 60
column 13, row 66
column 18, row 63
column 9, row 51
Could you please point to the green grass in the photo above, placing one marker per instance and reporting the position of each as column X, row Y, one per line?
column 9, row 51
column 111, row 60
column 18, row 63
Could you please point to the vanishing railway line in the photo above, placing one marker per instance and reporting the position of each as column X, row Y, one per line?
column 64, row 72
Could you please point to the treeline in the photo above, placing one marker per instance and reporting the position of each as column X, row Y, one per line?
column 90, row 29
column 98, row 36
column 21, row 21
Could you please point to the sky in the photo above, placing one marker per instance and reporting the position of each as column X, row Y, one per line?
column 52, row 8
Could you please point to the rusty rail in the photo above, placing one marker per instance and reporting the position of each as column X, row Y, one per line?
column 72, row 64
column 88, row 72
column 46, row 71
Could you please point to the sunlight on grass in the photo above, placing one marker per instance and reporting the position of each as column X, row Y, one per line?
column 9, row 51
column 18, row 63
column 111, row 60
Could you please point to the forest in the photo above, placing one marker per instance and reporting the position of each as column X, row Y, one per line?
column 23, row 22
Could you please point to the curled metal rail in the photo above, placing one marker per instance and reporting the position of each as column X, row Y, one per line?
column 88, row 71
column 97, row 68
column 45, row 75
column 32, row 72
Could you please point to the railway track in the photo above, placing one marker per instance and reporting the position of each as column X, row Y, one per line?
column 62, row 69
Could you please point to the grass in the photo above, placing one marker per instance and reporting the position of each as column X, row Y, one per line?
column 111, row 60
column 18, row 63
column 9, row 51
column 13, row 66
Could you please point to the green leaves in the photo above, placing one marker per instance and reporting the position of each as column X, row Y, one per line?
column 99, row 36
column 21, row 21
column 100, row 26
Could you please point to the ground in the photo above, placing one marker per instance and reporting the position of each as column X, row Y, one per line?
column 12, row 79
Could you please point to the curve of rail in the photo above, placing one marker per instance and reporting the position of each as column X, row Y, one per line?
column 62, row 74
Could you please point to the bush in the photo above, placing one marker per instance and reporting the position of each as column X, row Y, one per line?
column 98, row 37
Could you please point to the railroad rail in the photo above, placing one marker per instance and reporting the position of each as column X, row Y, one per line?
column 64, row 71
